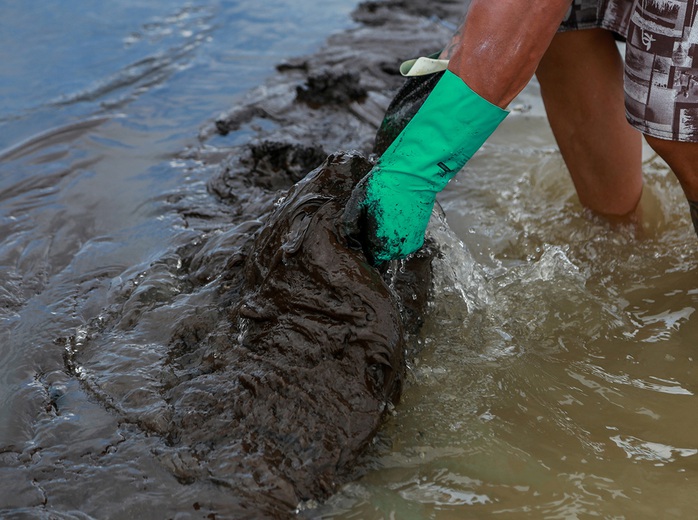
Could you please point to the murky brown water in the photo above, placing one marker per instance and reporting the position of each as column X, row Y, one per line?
column 558, row 378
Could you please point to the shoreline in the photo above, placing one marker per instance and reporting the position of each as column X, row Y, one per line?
column 334, row 99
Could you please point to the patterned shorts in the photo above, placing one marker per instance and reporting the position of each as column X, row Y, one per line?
column 661, row 60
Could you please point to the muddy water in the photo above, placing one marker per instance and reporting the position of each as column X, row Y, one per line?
column 556, row 377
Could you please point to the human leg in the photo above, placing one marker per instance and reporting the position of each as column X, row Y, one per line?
column 682, row 158
column 581, row 79
column 498, row 46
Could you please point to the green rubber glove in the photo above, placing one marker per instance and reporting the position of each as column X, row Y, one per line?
column 389, row 209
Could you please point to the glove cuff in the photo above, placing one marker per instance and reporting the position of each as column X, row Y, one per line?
column 443, row 135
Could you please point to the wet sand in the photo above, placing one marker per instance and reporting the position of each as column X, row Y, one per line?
column 180, row 395
column 335, row 99
column 297, row 283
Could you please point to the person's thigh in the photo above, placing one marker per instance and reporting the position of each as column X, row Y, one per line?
column 581, row 79
column 661, row 62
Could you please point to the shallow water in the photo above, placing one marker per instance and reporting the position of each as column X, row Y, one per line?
column 558, row 374
column 556, row 378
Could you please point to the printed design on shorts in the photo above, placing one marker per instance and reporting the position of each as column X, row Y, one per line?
column 661, row 69
column 608, row 14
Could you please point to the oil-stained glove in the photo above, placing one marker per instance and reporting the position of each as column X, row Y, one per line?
column 389, row 209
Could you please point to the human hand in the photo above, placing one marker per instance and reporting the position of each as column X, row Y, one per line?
column 386, row 219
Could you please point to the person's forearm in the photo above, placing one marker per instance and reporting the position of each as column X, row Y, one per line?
column 497, row 49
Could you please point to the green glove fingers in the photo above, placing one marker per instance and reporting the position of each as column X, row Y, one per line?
column 400, row 190
column 397, row 217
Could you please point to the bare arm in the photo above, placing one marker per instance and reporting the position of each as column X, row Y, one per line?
column 497, row 49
